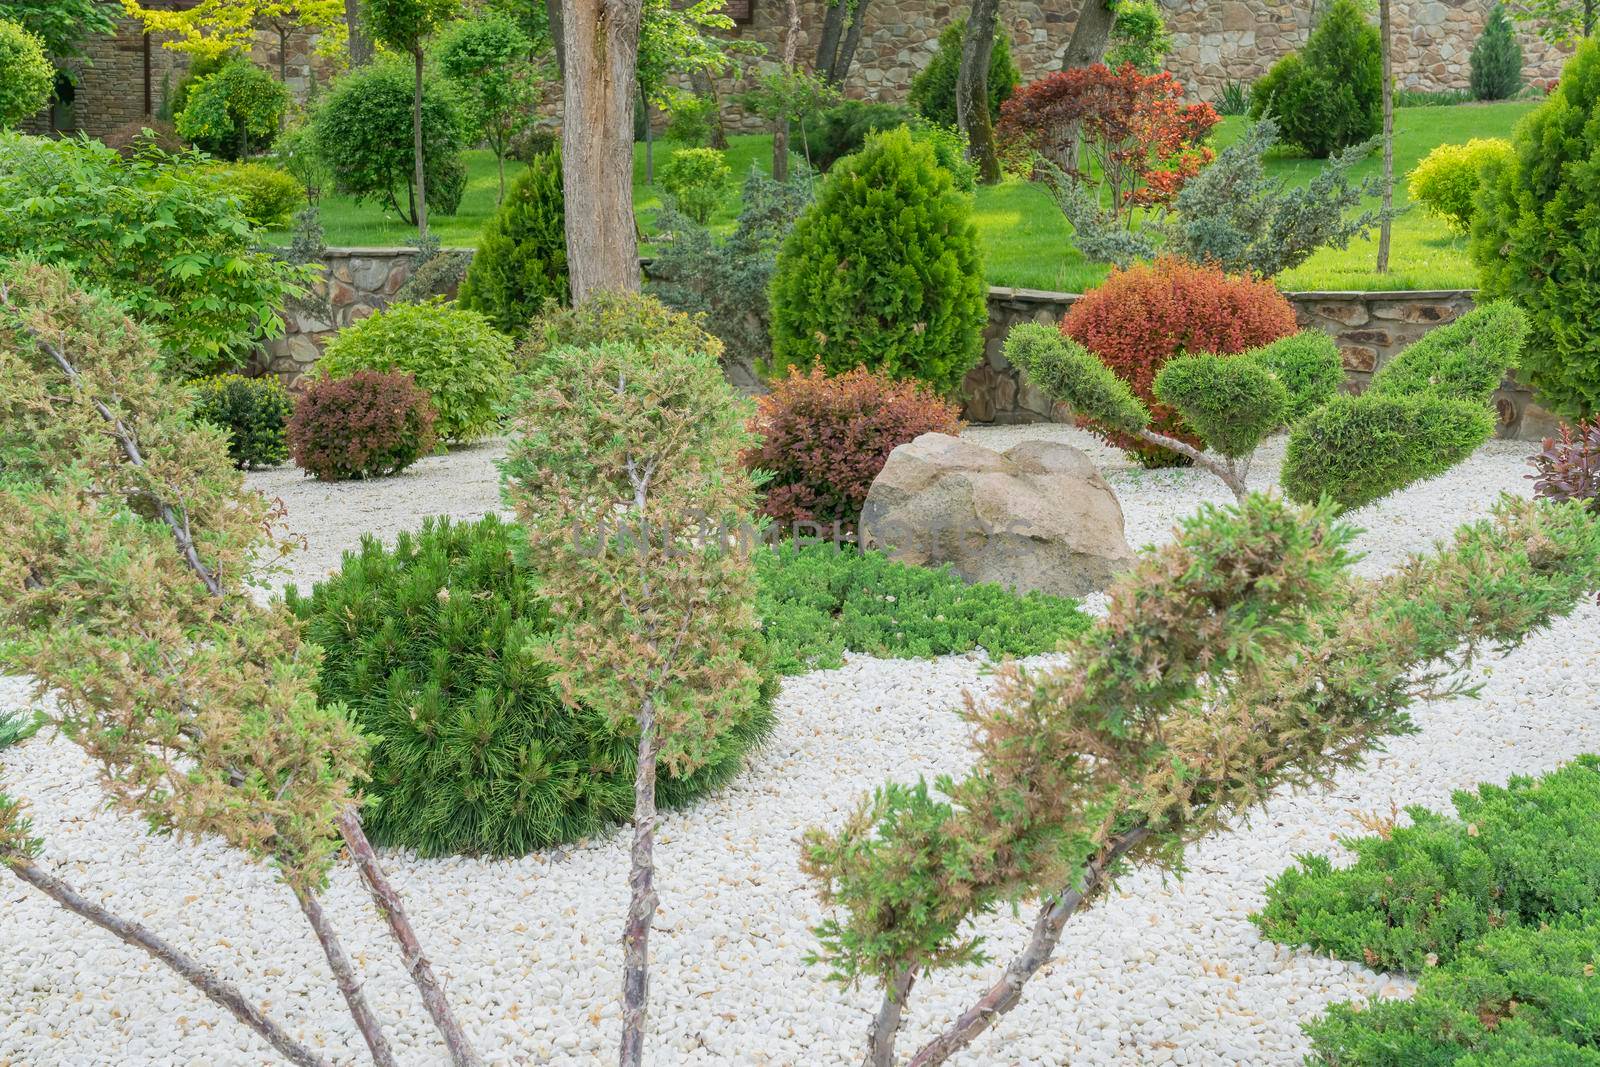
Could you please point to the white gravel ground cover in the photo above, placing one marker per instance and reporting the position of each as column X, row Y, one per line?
column 1160, row 973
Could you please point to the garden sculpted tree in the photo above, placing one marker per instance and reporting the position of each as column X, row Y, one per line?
column 125, row 592
column 1239, row 659
column 1426, row 410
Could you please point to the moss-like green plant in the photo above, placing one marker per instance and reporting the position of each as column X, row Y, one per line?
column 521, row 261
column 1308, row 365
column 1231, row 403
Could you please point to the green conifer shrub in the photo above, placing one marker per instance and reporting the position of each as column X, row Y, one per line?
column 254, row 411
column 633, row 319
column 843, row 129
column 883, row 271
column 1329, row 95
column 933, row 91
column 1535, row 233
column 1496, row 59
column 435, row 647
column 521, row 261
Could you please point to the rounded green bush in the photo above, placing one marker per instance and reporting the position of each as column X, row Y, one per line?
column 267, row 195
column 254, row 411
column 933, row 92
column 462, row 361
column 27, row 78
column 1309, row 366
column 1232, row 403
column 1535, row 235
column 234, row 112
column 697, row 181
column 883, row 271
column 1330, row 95
column 521, row 261
column 1447, row 180
column 434, row 646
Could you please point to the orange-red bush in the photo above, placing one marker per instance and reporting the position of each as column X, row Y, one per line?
column 364, row 426
column 825, row 439
column 1143, row 316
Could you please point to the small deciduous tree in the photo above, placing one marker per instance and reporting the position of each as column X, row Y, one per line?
column 63, row 25
column 486, row 59
column 26, row 77
column 216, row 28
column 628, row 477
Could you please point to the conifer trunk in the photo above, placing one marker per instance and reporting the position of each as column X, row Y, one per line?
column 972, row 89
column 642, row 894
column 344, row 973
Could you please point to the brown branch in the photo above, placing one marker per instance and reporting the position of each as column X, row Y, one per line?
column 1225, row 472
column 642, row 895
column 344, row 973
column 1007, row 992
column 216, row 988
column 886, row 1024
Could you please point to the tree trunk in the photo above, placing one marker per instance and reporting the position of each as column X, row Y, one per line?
column 642, row 890
column 360, row 45
column 1386, row 224
column 886, row 1024
column 416, row 147
column 389, row 904
column 852, row 40
column 649, row 140
column 345, row 975
column 704, row 86
column 602, row 47
column 791, row 52
column 283, row 56
column 972, row 89
column 216, row 988
column 841, row 33
column 552, row 10
column 1087, row 46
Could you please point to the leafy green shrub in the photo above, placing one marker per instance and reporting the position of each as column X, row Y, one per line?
column 1329, row 95
column 818, row 601
column 200, row 68
column 362, row 131
column 366, row 425
column 27, row 77
column 632, row 319
column 521, row 261
column 1231, row 403
column 950, row 152
column 1496, row 59
column 697, row 181
column 235, row 112
column 1463, row 360
column 254, row 411
column 435, row 647
column 691, row 119
column 486, row 59
column 267, row 195
column 883, row 271
column 1534, row 231
column 843, row 129
column 1447, row 180
column 154, row 234
column 1139, row 36
column 454, row 354
column 933, row 90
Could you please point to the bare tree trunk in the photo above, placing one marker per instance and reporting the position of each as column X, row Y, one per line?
column 552, row 10
column 791, row 51
column 345, row 975
column 416, row 146
column 1007, row 992
column 1087, row 46
column 649, row 140
column 389, row 904
column 841, row 34
column 1385, row 224
column 706, row 87
column 602, row 46
column 642, row 895
column 216, row 988
column 852, row 40
column 360, row 45
column 886, row 1024
column 972, row 89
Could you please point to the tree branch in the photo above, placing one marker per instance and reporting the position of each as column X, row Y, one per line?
column 1224, row 472
column 886, row 1024
column 344, row 973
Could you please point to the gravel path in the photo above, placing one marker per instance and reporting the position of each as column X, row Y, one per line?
column 1160, row 973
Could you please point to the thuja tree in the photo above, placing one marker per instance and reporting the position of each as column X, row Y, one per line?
column 627, row 475
column 125, row 593
column 1426, row 410
column 1241, row 658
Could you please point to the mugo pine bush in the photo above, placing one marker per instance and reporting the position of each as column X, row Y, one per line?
column 883, row 271
column 437, row 647
column 521, row 261
column 1535, row 234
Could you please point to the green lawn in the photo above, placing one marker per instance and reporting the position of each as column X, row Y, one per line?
column 1026, row 241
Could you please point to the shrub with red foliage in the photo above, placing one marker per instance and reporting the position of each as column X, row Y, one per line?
column 1144, row 316
column 1568, row 466
column 825, row 439
column 1144, row 142
column 364, row 426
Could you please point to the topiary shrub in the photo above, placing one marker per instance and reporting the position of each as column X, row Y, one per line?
column 883, row 271
column 254, row 411
column 267, row 196
column 27, row 77
column 1534, row 233
column 697, row 181
column 1329, row 95
column 462, row 361
column 1140, row 318
column 1466, row 359
column 1496, row 59
column 1309, row 366
column 1231, row 403
column 366, row 425
column 521, row 261
column 1568, row 465
column 824, row 439
column 1447, row 180
column 843, row 129
column 436, row 647
column 235, row 112
column 933, row 90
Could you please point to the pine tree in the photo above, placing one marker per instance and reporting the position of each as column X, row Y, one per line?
column 521, row 262
column 1496, row 59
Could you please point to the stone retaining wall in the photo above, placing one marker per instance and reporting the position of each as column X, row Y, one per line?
column 1369, row 328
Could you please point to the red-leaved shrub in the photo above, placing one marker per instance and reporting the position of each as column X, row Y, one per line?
column 364, row 426
column 825, row 438
column 1140, row 318
column 1139, row 139
column 1568, row 467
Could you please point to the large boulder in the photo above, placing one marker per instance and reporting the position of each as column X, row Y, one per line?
column 1037, row 516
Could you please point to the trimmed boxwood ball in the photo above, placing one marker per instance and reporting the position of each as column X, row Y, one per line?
column 434, row 646
column 521, row 261
column 883, row 271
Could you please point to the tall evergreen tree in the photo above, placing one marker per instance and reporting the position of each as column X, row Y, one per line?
column 521, row 262
column 1496, row 59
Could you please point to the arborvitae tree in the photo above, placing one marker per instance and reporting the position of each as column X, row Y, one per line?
column 1496, row 59
column 1329, row 95
column 521, row 261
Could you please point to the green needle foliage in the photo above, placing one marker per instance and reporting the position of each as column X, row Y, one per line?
column 1231, row 403
column 521, row 262
column 435, row 646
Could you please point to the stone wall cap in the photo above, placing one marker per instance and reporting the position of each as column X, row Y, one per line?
column 1377, row 294
column 1042, row 296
